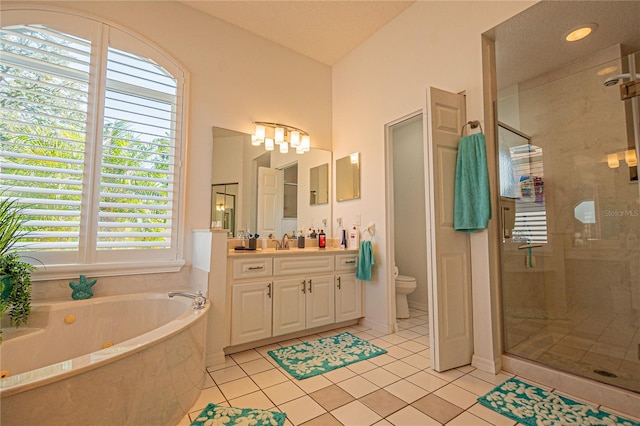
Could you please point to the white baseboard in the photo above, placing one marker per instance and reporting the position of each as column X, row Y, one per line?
column 383, row 328
column 214, row 359
column 419, row 306
column 487, row 365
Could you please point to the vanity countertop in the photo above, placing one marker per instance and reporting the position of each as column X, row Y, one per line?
column 292, row 251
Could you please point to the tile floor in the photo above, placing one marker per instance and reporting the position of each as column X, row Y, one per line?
column 397, row 388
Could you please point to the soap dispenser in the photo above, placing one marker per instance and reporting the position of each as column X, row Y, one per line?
column 322, row 239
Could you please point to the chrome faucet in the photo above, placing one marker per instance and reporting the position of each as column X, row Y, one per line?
column 284, row 244
column 199, row 301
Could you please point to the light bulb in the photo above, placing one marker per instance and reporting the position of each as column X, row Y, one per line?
column 284, row 148
column 305, row 143
column 631, row 158
column 255, row 141
column 612, row 161
column 268, row 144
column 260, row 132
column 294, row 138
column 279, row 135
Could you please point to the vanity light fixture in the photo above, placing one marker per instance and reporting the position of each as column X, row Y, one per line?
column 281, row 134
column 612, row 161
column 580, row 32
column 631, row 158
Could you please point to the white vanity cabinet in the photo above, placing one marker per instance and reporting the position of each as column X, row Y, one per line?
column 277, row 295
column 251, row 312
column 348, row 290
column 299, row 304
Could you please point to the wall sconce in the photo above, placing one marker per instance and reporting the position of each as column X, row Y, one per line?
column 612, row 161
column 283, row 135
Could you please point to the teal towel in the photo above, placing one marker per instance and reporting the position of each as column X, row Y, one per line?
column 365, row 261
column 472, row 202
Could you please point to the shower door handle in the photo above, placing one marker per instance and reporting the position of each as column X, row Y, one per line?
column 507, row 216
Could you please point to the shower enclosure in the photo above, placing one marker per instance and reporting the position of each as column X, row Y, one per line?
column 571, row 254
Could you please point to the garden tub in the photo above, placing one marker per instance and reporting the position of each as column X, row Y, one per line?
column 133, row 359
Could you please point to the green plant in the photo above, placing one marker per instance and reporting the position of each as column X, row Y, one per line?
column 15, row 275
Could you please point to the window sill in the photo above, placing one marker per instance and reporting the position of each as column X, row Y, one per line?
column 52, row 272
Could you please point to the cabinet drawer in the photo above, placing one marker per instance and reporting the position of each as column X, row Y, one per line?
column 302, row 265
column 346, row 262
column 253, row 267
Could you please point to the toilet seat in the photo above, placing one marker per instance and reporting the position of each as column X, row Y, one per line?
column 404, row 279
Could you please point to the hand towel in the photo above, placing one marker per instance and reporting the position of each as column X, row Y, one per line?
column 365, row 261
column 472, row 202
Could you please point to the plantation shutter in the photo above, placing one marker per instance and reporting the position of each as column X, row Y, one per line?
column 137, row 193
column 44, row 94
column 90, row 142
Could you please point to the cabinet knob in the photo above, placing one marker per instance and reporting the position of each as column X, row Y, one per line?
column 269, row 290
column 339, row 283
column 309, row 286
column 304, row 286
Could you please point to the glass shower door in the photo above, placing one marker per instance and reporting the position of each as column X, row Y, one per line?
column 571, row 263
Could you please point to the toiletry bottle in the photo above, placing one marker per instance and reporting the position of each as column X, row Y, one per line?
column 343, row 241
column 322, row 239
column 301, row 240
column 354, row 238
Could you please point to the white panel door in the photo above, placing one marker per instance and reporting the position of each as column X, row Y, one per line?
column 250, row 312
column 289, row 305
column 320, row 301
column 270, row 199
column 348, row 297
column 449, row 283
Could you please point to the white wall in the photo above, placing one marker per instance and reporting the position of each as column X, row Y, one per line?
column 430, row 44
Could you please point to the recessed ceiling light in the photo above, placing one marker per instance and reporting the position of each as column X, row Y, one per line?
column 580, row 32
column 607, row 70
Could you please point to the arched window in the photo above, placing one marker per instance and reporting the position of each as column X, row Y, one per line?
column 91, row 129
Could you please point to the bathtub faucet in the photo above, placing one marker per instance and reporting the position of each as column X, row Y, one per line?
column 199, row 301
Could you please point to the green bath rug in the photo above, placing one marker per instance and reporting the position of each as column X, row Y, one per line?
column 309, row 359
column 218, row 415
column 533, row 406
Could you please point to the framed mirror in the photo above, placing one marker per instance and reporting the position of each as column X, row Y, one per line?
column 348, row 177
column 282, row 181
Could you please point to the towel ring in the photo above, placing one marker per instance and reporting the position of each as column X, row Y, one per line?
column 473, row 124
column 371, row 230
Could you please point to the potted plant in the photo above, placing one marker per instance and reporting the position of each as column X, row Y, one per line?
column 15, row 275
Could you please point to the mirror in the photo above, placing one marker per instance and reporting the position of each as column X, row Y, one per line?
column 348, row 177
column 223, row 206
column 319, row 185
column 290, row 177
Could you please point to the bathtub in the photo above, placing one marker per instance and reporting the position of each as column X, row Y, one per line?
column 114, row 360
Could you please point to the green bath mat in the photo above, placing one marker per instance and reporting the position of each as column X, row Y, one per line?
column 218, row 415
column 533, row 406
column 309, row 359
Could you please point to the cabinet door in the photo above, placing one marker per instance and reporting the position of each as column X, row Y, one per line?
column 250, row 312
column 348, row 297
column 289, row 306
column 320, row 301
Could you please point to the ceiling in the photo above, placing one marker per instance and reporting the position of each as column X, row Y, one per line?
column 324, row 30
column 527, row 45
column 532, row 43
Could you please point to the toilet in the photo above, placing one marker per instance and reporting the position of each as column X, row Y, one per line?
column 404, row 286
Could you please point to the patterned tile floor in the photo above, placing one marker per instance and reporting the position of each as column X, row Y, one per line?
column 398, row 388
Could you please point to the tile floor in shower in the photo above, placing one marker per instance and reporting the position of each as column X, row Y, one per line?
column 398, row 388
column 580, row 342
